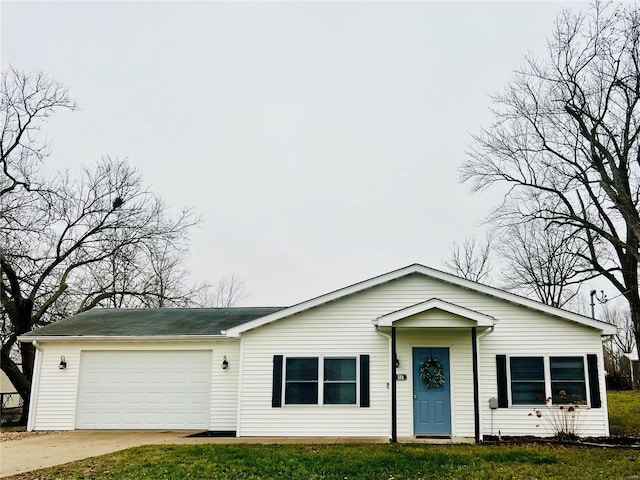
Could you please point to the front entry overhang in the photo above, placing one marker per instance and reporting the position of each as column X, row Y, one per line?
column 435, row 313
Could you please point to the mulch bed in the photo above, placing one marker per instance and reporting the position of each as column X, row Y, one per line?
column 612, row 441
column 211, row 433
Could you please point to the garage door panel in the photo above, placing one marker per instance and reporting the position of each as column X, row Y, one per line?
column 144, row 389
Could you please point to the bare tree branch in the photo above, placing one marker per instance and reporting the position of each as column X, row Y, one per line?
column 26, row 100
column 228, row 292
column 70, row 243
column 566, row 141
column 471, row 260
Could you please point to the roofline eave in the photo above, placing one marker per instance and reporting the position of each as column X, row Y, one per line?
column 121, row 338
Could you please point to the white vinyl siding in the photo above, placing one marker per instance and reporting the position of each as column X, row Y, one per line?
column 241, row 395
column 54, row 396
column 224, row 387
column 344, row 327
column 324, row 332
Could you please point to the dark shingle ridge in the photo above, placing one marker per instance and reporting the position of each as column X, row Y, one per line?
column 153, row 321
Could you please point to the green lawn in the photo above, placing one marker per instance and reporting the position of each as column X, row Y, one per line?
column 370, row 461
column 353, row 462
column 624, row 412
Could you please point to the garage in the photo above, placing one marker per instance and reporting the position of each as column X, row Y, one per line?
column 144, row 389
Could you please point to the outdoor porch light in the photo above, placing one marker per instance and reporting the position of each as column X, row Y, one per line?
column 225, row 363
column 63, row 363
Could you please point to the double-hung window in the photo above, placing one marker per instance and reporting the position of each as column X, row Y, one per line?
column 567, row 380
column 534, row 379
column 301, row 386
column 339, row 381
column 527, row 381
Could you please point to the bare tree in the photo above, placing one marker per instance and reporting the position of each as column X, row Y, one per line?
column 619, row 316
column 541, row 262
column 50, row 261
column 228, row 292
column 26, row 100
column 566, row 142
column 618, row 366
column 471, row 260
column 149, row 275
column 75, row 242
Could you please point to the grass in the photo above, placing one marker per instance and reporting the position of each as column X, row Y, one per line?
column 624, row 412
column 370, row 461
column 351, row 462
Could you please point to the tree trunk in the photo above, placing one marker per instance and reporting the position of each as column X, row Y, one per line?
column 21, row 379
column 28, row 354
column 634, row 307
column 630, row 276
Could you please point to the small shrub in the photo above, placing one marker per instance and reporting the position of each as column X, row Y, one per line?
column 563, row 420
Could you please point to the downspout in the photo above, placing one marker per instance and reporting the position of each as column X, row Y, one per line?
column 240, row 380
column 476, row 388
column 392, row 361
column 35, row 387
column 476, row 398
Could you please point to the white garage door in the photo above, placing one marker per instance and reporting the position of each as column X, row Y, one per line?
column 144, row 390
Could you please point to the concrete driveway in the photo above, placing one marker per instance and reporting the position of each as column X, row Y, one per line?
column 57, row 448
column 34, row 452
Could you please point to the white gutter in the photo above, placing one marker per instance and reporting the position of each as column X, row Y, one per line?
column 486, row 332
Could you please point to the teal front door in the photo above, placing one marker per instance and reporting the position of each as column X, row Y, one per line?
column 431, row 395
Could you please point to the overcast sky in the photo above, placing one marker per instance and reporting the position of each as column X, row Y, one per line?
column 319, row 142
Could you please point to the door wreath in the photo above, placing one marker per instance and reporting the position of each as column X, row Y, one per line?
column 432, row 373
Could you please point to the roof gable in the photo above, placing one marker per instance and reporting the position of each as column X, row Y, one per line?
column 603, row 327
column 435, row 304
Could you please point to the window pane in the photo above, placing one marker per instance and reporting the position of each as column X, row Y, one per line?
column 567, row 368
column 527, row 381
column 301, row 383
column 567, row 380
column 340, row 393
column 527, row 393
column 527, row 368
column 568, row 392
column 303, row 368
column 301, row 393
column 340, row 369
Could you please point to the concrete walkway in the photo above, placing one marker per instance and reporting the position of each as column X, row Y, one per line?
column 57, row 448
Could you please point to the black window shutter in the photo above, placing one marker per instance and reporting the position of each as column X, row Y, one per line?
column 501, row 371
column 364, row 380
column 276, row 392
column 594, row 381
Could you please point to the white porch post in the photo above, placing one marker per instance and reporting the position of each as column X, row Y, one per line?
column 394, row 408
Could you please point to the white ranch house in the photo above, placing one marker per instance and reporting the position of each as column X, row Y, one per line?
column 347, row 363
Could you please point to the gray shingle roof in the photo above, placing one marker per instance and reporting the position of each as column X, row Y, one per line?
column 152, row 321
